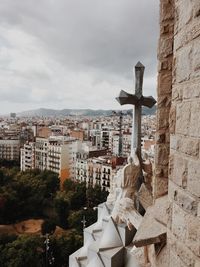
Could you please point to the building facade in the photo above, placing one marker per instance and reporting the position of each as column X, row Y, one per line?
column 27, row 157
column 56, row 153
column 10, row 149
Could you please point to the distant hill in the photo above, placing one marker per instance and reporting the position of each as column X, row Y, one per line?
column 44, row 112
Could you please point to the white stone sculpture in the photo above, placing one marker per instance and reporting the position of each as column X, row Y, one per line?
column 130, row 174
column 115, row 189
column 124, row 207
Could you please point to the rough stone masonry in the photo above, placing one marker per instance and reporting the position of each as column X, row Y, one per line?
column 177, row 159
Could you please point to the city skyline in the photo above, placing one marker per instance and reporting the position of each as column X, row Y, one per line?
column 74, row 54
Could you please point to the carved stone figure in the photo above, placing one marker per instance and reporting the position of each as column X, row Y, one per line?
column 130, row 174
column 114, row 188
column 124, row 207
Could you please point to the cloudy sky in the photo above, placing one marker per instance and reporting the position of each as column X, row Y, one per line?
column 74, row 53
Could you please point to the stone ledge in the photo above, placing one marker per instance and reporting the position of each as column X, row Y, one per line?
column 153, row 227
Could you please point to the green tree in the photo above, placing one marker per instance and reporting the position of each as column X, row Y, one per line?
column 65, row 245
column 74, row 220
column 22, row 252
column 95, row 196
column 51, row 182
column 62, row 207
column 26, row 195
column 69, row 185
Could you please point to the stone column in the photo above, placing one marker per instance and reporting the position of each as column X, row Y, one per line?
column 164, row 91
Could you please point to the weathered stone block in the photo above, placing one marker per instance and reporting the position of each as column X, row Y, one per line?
column 185, row 228
column 189, row 33
column 193, row 181
column 196, row 60
column 165, row 46
column 165, row 64
column 197, row 263
column 162, row 154
column 188, row 146
column 178, row 170
column 167, row 28
column 182, row 199
column 153, row 227
column 164, row 83
column 174, row 260
column 193, row 235
column 191, row 90
column 164, row 101
column 183, row 68
column 160, row 186
column 186, row 257
column 183, row 115
column 163, row 118
column 166, row 11
column 177, row 94
column 184, row 11
column 179, row 223
column 194, row 129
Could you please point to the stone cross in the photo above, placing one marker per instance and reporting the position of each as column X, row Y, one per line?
column 138, row 100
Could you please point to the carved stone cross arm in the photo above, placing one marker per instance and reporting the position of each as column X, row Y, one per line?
column 138, row 100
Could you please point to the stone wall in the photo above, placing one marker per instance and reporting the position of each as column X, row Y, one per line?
column 164, row 91
column 178, row 156
column 184, row 171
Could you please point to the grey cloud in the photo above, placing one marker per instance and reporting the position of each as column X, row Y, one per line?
column 103, row 39
column 109, row 35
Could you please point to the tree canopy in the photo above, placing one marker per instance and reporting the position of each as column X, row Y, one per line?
column 36, row 194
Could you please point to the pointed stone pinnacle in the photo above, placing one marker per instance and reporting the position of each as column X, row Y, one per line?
column 139, row 65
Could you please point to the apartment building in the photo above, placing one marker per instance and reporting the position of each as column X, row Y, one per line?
column 95, row 137
column 106, row 174
column 56, row 153
column 10, row 149
column 105, row 138
column 41, row 153
column 97, row 170
column 126, row 144
column 27, row 158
